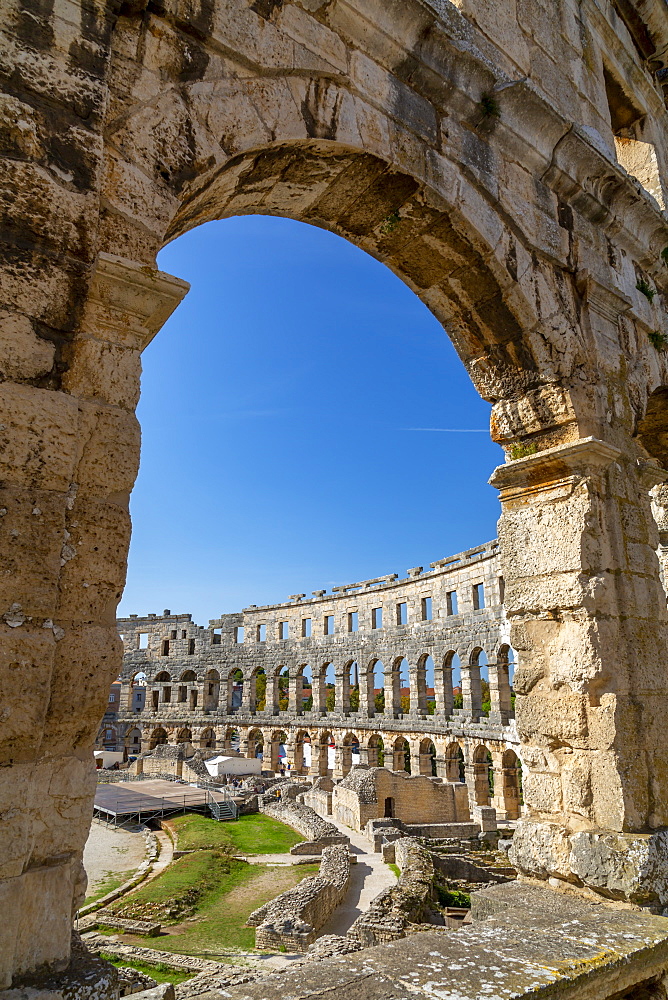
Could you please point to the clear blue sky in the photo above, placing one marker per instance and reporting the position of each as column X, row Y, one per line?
column 277, row 410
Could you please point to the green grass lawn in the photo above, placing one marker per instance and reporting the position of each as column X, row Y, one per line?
column 222, row 908
column 253, row 834
column 161, row 973
column 111, row 881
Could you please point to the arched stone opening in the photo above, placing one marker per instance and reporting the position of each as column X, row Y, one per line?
column 157, row 738
column 480, row 777
column 258, row 691
column 279, row 743
column 302, row 758
column 507, row 798
column 401, row 755
column 454, row 763
column 376, row 686
column 235, row 691
column 255, row 747
column 184, row 735
column 133, row 740
column 427, row 758
column 375, row 751
column 211, row 690
column 444, row 685
column 207, row 739
column 231, row 739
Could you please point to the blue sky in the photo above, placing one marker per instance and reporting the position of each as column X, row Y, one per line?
column 277, row 410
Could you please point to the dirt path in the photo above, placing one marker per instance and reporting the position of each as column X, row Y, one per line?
column 368, row 877
column 110, row 852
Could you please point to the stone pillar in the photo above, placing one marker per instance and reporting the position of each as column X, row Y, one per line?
column 342, row 688
column 506, row 798
column 319, row 763
column 125, row 699
column 418, row 689
column 247, row 697
column 443, row 690
column 589, row 623
column 69, row 460
column 392, row 682
column 471, row 692
column 319, row 693
column 501, row 709
column 367, row 707
column 296, row 694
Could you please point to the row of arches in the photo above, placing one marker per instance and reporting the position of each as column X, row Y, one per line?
column 476, row 688
column 491, row 772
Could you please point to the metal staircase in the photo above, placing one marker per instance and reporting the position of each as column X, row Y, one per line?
column 223, row 810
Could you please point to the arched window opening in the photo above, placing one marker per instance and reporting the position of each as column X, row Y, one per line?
column 354, row 686
column 330, row 687
column 428, row 758
column 258, row 699
column 401, row 755
column 235, row 690
column 283, row 689
column 404, row 686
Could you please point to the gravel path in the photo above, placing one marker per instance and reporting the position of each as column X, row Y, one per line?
column 111, row 851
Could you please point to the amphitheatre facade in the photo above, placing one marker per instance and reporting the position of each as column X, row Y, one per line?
column 507, row 160
column 200, row 685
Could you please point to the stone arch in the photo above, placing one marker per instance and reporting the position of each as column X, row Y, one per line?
column 375, row 751
column 207, row 739
column 454, row 763
column 231, row 738
column 375, row 701
column 508, row 787
column 211, row 689
column 279, row 737
column 255, row 743
column 481, row 783
column 258, row 683
column 157, row 738
column 132, row 739
column 300, row 764
column 401, row 760
column 162, row 677
column 427, row 757
column 188, row 675
column 235, row 682
column 184, row 735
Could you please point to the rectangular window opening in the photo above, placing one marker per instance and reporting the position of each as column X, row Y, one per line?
column 451, row 602
column 283, row 630
column 142, row 640
column 191, row 647
column 402, row 613
column 376, row 618
column 634, row 153
column 184, row 634
column 183, row 694
column 172, row 634
column 165, row 647
column 239, row 633
column 329, row 625
column 502, row 590
column 478, row 596
column 306, row 628
column 216, row 636
column 167, row 694
column 426, row 609
column 262, row 633
column 353, row 621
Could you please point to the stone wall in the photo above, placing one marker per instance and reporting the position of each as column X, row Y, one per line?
column 407, row 902
column 318, row 832
column 366, row 793
column 507, row 161
column 293, row 918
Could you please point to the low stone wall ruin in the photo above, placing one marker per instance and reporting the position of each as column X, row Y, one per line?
column 293, row 919
column 402, row 904
column 318, row 832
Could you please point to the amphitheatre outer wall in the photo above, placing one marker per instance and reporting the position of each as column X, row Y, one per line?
column 191, row 677
column 507, row 160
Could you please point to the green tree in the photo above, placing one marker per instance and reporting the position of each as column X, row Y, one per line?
column 260, row 691
column 379, row 701
column 354, row 699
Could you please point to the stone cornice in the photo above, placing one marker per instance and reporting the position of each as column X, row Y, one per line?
column 553, row 467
